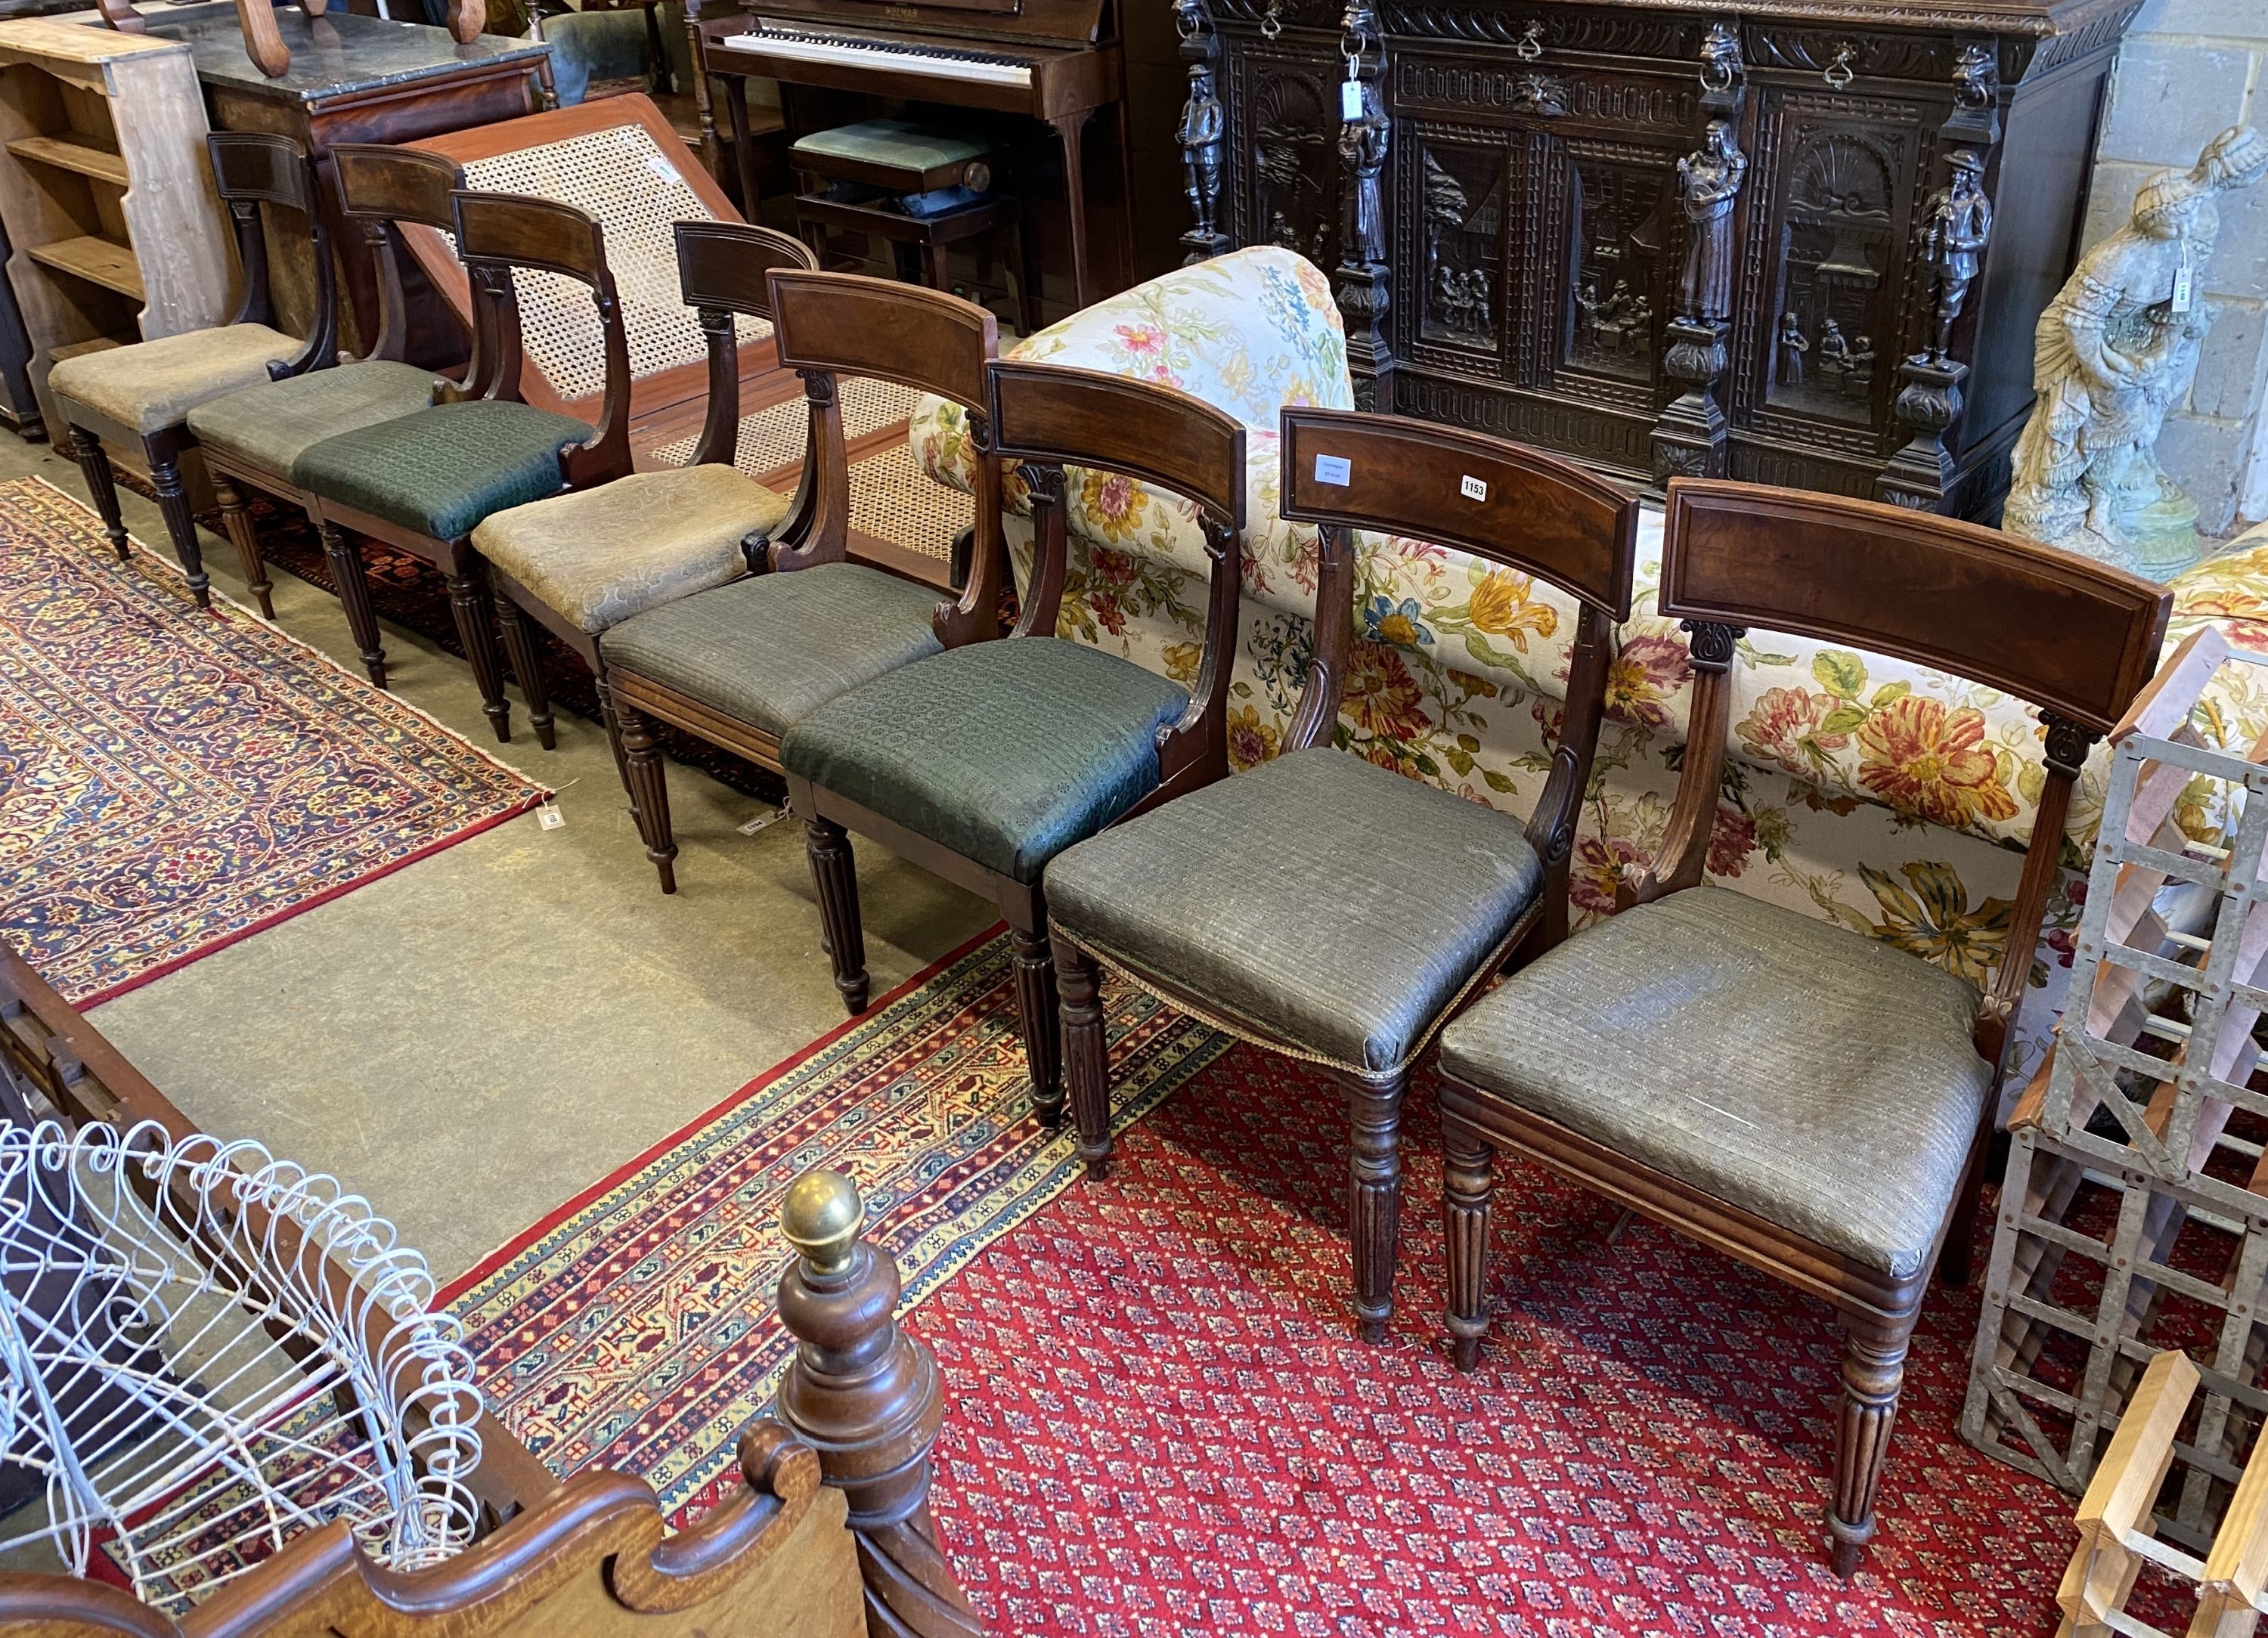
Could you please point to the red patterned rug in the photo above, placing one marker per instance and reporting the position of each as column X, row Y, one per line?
column 1159, row 1421
column 172, row 780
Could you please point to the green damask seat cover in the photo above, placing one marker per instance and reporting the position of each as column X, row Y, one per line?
column 771, row 648
column 271, row 425
column 1006, row 752
column 1820, row 1079
column 1319, row 900
column 442, row 470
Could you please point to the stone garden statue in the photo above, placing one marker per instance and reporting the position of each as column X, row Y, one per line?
column 2116, row 350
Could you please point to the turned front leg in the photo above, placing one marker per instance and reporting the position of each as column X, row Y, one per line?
column 1086, row 1052
column 521, row 644
column 1374, row 1197
column 1874, row 1375
column 102, row 485
column 352, row 579
column 647, row 780
column 181, row 527
column 236, row 523
column 835, row 873
column 1037, row 1009
column 1467, row 1191
column 469, row 601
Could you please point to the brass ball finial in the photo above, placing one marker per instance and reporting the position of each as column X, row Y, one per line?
column 821, row 1215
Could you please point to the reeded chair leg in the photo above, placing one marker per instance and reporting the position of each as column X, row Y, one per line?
column 469, row 602
column 352, row 579
column 238, row 523
column 1086, row 1052
column 181, row 526
column 94, row 467
column 527, row 656
column 610, row 718
column 1468, row 1192
column 1375, row 1198
column 835, row 873
column 1038, row 1008
column 1873, row 1374
column 647, row 780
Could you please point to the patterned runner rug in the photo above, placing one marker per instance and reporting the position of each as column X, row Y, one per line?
column 171, row 781
column 1158, row 1418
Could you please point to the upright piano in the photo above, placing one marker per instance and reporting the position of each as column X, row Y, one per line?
column 1054, row 61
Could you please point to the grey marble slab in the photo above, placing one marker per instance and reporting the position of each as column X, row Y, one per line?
column 333, row 54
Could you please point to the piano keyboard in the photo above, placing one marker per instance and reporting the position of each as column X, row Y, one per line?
column 775, row 39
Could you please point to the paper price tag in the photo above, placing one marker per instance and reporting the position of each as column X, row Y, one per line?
column 548, row 815
column 764, row 821
column 2184, row 284
column 1350, row 101
column 1333, row 469
column 1472, row 489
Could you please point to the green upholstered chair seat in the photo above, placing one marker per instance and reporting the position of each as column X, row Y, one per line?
column 888, row 143
column 1819, row 1079
column 771, row 649
column 1320, row 901
column 151, row 386
column 602, row 555
column 442, row 470
column 1006, row 752
column 270, row 426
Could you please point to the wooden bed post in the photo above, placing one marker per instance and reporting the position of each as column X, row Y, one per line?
column 865, row 1396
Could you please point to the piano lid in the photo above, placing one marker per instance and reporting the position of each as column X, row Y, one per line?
column 1043, row 22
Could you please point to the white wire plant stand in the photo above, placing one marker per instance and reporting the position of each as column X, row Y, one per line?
column 206, row 1351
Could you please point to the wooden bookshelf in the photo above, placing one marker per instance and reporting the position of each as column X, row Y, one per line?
column 106, row 191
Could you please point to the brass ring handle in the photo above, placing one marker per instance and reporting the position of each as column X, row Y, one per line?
column 1531, row 44
column 1839, row 74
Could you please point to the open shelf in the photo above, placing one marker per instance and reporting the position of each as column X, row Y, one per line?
column 98, row 260
column 74, row 349
column 64, row 153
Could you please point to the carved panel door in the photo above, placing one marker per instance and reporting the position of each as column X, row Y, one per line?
column 1828, row 285
column 1601, row 275
column 1284, row 103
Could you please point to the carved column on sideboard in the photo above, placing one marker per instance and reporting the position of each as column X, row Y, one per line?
column 1688, row 440
column 1363, row 281
column 1956, row 227
column 1203, row 132
column 865, row 1396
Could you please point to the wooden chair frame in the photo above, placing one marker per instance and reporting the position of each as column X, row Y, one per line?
column 378, row 185
column 2076, row 637
column 1044, row 416
column 250, row 169
column 1542, row 515
column 825, row 326
column 495, row 233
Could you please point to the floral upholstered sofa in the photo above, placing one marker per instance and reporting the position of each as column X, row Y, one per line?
column 1884, row 796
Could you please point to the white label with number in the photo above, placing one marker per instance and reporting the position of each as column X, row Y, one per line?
column 1333, row 469
column 2184, row 283
column 548, row 815
column 1350, row 101
column 1472, row 489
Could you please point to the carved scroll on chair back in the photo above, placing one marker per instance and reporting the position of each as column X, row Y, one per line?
column 827, row 1534
column 1247, row 904
column 670, row 664
column 1141, row 739
column 1868, row 1131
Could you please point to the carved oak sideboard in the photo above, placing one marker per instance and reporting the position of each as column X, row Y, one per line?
column 1801, row 242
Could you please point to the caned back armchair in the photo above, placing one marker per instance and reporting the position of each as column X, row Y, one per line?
column 1796, row 1095
column 740, row 665
column 983, row 763
column 1321, row 906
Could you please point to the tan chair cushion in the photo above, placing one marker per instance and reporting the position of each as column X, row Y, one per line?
column 151, row 385
column 601, row 555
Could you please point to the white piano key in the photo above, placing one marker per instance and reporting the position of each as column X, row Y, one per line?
column 942, row 63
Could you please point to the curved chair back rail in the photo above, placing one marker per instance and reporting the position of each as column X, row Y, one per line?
column 379, row 186
column 2072, row 636
column 2077, row 638
column 857, row 326
column 1534, row 512
column 830, row 325
column 725, row 268
column 499, row 233
column 252, row 168
column 1056, row 415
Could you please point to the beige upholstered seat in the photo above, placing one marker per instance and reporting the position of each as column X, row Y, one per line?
column 269, row 426
column 601, row 555
column 1823, row 1081
column 154, row 384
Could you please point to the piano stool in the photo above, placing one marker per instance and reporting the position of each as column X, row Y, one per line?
column 852, row 179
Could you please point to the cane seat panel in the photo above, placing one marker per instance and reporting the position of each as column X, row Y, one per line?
column 1821, row 1080
column 1216, row 894
column 1007, row 753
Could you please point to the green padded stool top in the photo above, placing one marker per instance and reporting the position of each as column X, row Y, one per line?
column 443, row 469
column 863, row 152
